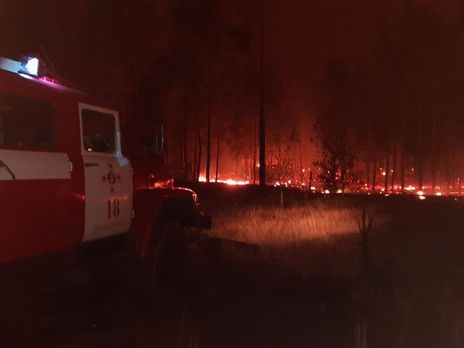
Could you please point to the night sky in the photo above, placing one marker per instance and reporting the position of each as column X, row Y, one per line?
column 301, row 36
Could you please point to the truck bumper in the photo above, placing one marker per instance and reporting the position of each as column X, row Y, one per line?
column 201, row 221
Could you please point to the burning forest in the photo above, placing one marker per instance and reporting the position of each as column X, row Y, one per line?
column 380, row 112
column 232, row 173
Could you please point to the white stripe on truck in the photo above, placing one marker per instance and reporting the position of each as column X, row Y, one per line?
column 33, row 165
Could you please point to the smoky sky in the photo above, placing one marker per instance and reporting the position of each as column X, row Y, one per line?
column 300, row 36
column 304, row 35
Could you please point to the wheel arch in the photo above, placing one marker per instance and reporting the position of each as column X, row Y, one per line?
column 153, row 208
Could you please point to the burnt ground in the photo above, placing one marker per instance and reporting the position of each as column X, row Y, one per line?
column 241, row 311
column 123, row 312
column 413, row 299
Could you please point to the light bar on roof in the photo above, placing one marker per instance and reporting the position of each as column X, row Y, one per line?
column 10, row 65
column 30, row 66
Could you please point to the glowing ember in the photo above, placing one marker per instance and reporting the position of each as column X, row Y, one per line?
column 231, row 182
column 235, row 182
column 438, row 194
column 420, row 193
column 421, row 197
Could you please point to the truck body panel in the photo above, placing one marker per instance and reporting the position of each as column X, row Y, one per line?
column 64, row 179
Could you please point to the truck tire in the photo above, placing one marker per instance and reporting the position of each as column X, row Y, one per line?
column 168, row 255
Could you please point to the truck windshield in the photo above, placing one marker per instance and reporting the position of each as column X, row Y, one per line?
column 98, row 131
column 26, row 122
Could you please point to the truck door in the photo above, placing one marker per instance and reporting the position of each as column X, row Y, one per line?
column 108, row 174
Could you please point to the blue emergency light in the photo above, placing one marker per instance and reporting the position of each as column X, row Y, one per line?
column 27, row 65
column 30, row 66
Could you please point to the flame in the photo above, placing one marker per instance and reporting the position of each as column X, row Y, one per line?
column 230, row 182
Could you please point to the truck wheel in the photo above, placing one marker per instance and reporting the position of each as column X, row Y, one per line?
column 202, row 263
column 168, row 255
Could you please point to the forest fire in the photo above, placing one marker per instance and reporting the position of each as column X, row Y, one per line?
column 294, row 161
column 316, row 185
column 231, row 182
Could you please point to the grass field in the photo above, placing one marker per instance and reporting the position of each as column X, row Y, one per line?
column 318, row 239
column 412, row 292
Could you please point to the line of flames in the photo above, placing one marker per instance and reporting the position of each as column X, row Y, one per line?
column 367, row 188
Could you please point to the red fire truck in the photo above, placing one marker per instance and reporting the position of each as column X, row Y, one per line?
column 64, row 180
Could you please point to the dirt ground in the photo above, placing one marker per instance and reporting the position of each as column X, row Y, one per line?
column 120, row 312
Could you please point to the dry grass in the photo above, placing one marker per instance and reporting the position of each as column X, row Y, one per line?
column 411, row 240
column 304, row 240
column 266, row 226
column 415, row 296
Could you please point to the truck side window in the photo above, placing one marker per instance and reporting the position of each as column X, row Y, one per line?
column 26, row 122
column 98, row 131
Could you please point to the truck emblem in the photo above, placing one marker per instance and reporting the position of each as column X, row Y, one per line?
column 111, row 177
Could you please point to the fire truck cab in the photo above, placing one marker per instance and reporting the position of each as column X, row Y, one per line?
column 64, row 180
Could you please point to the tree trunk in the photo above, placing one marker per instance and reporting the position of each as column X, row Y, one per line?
column 387, row 168
column 197, row 174
column 420, row 174
column 393, row 176
column 434, row 154
column 448, row 172
column 262, row 121
column 420, row 156
column 302, row 174
column 195, row 150
column 402, row 169
column 255, row 162
column 184, row 145
column 208, row 140
column 374, row 176
column 368, row 171
column 217, row 156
